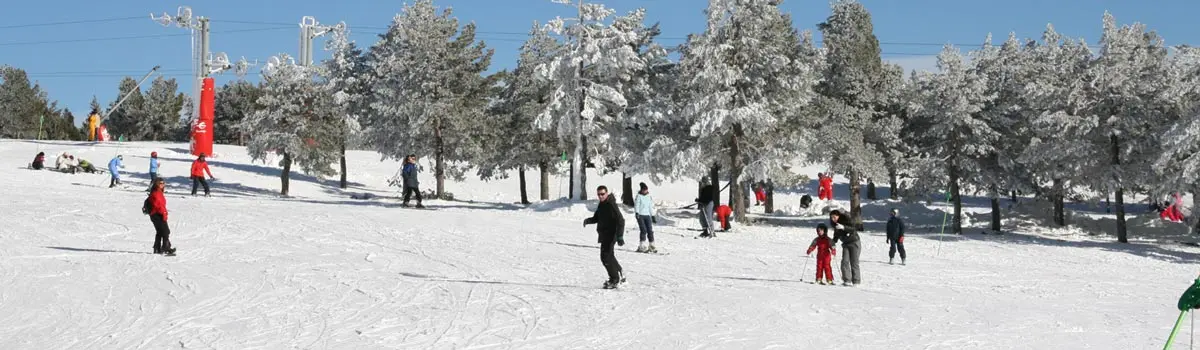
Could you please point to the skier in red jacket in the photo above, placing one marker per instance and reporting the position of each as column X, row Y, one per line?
column 723, row 213
column 825, row 192
column 157, row 209
column 825, row 252
column 199, row 167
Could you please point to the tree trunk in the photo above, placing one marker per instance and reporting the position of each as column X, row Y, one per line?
column 893, row 191
column 770, row 204
column 716, row 184
column 1116, row 162
column 1057, row 196
column 439, row 158
column 626, row 189
column 544, row 169
column 995, row 209
column 1194, row 217
column 855, row 201
column 583, row 166
column 343, row 182
column 287, row 170
column 571, row 186
column 738, row 200
column 524, row 192
column 1013, row 195
column 871, row 190
column 956, row 221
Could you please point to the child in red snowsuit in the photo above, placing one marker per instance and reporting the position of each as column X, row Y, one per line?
column 825, row 191
column 723, row 213
column 825, row 252
column 760, row 195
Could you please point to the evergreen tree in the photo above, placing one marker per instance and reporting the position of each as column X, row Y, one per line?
column 427, row 90
column 850, row 96
column 233, row 102
column 162, row 103
column 950, row 103
column 344, row 79
column 295, row 120
column 123, row 119
column 744, row 79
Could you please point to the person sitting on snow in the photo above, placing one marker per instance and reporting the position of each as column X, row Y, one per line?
column 39, row 161
column 86, row 166
column 805, row 201
column 62, row 161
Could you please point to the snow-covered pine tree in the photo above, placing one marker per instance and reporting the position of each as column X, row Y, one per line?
column 850, row 95
column 1058, row 118
column 1127, row 89
column 1006, row 70
column 296, row 119
column 592, row 76
column 428, row 90
column 744, row 79
column 889, row 119
column 950, row 103
column 161, row 106
column 183, row 128
column 1179, row 161
column 515, row 142
column 345, row 71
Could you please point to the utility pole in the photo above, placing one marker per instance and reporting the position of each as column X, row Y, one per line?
column 204, row 62
column 311, row 30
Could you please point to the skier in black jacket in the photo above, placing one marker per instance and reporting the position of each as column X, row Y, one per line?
column 895, row 237
column 851, row 247
column 705, row 204
column 610, row 227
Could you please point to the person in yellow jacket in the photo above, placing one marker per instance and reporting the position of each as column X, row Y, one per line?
column 92, row 121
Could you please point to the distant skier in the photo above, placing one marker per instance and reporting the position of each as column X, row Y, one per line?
column 851, row 247
column 610, row 227
column 705, row 204
column 760, row 195
column 411, row 184
column 86, row 166
column 199, row 167
column 895, row 237
column 825, row 252
column 826, row 183
column 156, row 207
column 643, row 205
column 39, row 161
column 153, row 170
column 114, row 170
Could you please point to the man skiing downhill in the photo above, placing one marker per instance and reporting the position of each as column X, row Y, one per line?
column 644, row 207
column 851, row 247
column 114, row 170
column 895, row 237
column 199, row 167
column 411, row 184
column 610, row 229
column 825, row 252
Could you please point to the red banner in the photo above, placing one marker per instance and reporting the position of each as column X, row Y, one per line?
column 202, row 127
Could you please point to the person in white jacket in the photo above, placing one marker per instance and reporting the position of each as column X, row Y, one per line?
column 644, row 208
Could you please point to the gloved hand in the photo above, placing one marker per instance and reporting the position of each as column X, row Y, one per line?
column 654, row 220
column 621, row 242
column 901, row 240
column 585, row 223
column 840, row 227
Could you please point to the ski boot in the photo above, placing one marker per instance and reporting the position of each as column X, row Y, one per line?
column 891, row 261
column 902, row 263
column 829, row 282
column 609, row 285
column 420, row 206
column 641, row 247
column 652, row 249
column 821, row 282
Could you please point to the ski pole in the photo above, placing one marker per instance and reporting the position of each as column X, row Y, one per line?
column 1171, row 339
column 806, row 259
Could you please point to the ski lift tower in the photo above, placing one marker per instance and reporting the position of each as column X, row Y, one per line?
column 309, row 31
column 204, row 62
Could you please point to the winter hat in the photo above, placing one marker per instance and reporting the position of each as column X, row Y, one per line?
column 895, row 211
column 643, row 186
column 154, row 154
column 822, row 228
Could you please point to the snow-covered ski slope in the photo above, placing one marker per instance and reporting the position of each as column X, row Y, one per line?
column 321, row 270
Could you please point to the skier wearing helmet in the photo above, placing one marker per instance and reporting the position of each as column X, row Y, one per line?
column 153, row 170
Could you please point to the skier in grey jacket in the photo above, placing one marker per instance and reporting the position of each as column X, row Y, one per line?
column 411, row 185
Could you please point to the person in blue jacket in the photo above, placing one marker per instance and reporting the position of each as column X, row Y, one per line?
column 644, row 207
column 114, row 167
column 153, row 170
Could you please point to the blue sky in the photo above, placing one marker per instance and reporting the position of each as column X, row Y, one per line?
column 67, row 61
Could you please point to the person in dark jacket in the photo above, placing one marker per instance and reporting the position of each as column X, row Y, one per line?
column 851, row 247
column 157, row 204
column 895, row 237
column 411, row 184
column 610, row 229
column 39, row 161
column 705, row 204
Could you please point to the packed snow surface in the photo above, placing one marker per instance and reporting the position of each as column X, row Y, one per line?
column 320, row 269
